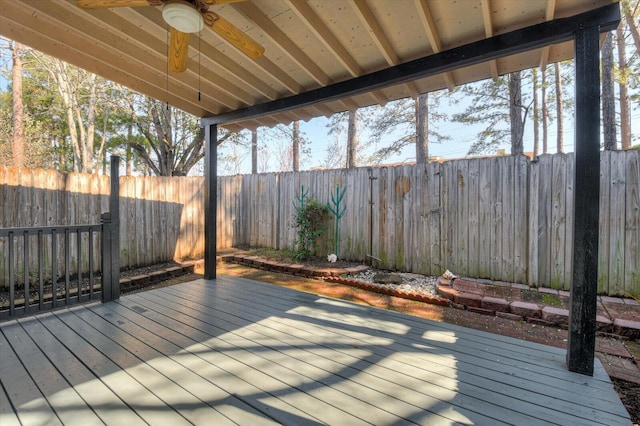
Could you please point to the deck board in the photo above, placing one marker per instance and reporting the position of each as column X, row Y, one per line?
column 235, row 351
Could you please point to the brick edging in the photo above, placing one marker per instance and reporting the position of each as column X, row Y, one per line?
column 519, row 310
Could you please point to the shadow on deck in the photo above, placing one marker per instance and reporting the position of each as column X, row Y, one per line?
column 239, row 351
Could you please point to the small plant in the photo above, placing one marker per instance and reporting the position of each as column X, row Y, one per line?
column 310, row 221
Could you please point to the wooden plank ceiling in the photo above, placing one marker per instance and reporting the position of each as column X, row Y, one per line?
column 308, row 44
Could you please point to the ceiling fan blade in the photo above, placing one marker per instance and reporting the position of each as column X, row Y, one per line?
column 178, row 51
column 233, row 35
column 103, row 4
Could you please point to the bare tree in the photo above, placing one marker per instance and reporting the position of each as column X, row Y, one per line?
column 79, row 91
column 536, row 113
column 515, row 113
column 545, row 113
column 559, row 109
column 422, row 129
column 608, row 95
column 352, row 139
column 295, row 146
column 630, row 14
column 18, row 143
column 254, row 151
column 623, row 88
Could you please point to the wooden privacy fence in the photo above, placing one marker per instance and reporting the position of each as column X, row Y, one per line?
column 502, row 218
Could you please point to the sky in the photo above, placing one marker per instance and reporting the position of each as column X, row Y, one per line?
column 462, row 136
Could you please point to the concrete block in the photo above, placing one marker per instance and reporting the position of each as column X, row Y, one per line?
column 495, row 304
column 468, row 299
column 556, row 316
column 525, row 309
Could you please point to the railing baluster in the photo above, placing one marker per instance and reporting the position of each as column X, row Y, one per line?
column 25, row 259
column 12, row 278
column 79, row 265
column 67, row 265
column 91, row 281
column 54, row 267
column 40, row 269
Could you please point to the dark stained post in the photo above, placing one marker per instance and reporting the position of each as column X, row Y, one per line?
column 584, row 285
column 210, row 200
column 111, row 238
column 114, row 208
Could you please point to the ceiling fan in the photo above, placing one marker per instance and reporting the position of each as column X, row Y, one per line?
column 186, row 17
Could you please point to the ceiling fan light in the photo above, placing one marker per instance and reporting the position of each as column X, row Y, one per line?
column 183, row 17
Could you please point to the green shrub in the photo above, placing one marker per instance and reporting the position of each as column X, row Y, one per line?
column 311, row 222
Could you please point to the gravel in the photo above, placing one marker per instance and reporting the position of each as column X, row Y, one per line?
column 420, row 284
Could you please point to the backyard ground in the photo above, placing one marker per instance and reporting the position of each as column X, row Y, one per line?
column 629, row 392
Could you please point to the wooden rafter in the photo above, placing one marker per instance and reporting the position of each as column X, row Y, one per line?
column 514, row 42
column 488, row 31
column 287, row 46
column 324, row 34
column 432, row 35
column 380, row 38
column 548, row 16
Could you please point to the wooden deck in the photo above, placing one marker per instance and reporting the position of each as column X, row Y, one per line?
column 234, row 351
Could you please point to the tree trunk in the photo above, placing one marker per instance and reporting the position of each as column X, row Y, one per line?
column 515, row 113
column 129, row 153
column 608, row 95
column 17, row 145
column 632, row 22
column 296, row 146
column 422, row 129
column 254, row 152
column 536, row 114
column 559, row 109
column 352, row 139
column 545, row 113
column 625, row 116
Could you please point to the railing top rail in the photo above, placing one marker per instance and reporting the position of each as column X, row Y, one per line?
column 48, row 230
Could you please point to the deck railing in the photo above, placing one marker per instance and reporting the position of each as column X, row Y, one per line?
column 55, row 266
column 53, row 277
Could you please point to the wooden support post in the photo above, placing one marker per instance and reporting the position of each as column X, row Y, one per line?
column 114, row 208
column 111, row 238
column 210, row 200
column 584, row 285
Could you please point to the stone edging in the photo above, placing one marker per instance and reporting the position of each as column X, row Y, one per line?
column 136, row 282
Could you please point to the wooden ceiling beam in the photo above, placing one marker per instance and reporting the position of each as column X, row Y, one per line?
column 287, row 46
column 380, row 38
column 533, row 37
column 488, row 31
column 326, row 36
column 432, row 35
column 548, row 16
